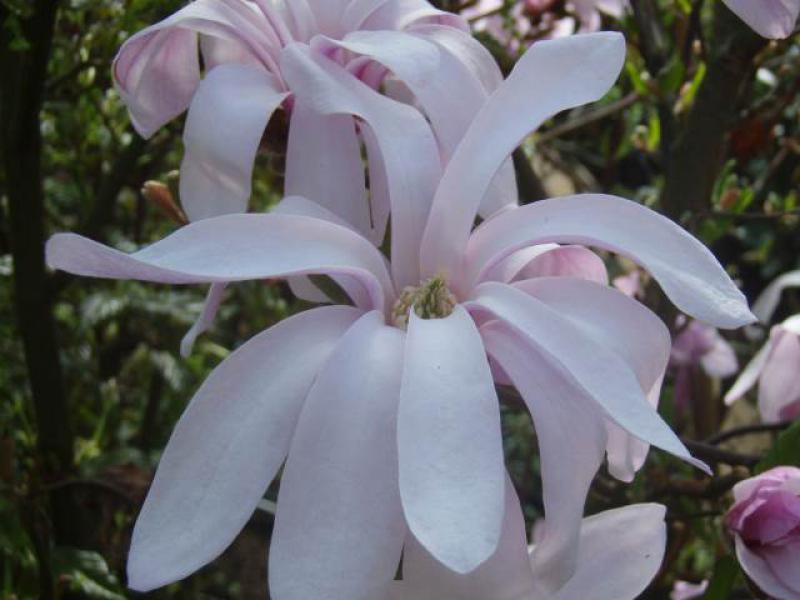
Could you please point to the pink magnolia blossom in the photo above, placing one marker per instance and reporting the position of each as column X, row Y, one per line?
column 387, row 409
column 698, row 346
column 765, row 523
column 774, row 19
column 775, row 365
column 621, row 569
column 684, row 590
column 426, row 51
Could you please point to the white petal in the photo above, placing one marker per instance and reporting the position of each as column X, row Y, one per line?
column 406, row 144
column 773, row 19
column 767, row 302
column 687, row 271
column 451, row 455
column 506, row 575
column 323, row 164
column 234, row 248
column 750, row 374
column 339, row 528
column 552, row 76
column 598, row 370
column 206, row 318
column 559, row 409
column 620, row 553
column 223, row 130
column 227, row 447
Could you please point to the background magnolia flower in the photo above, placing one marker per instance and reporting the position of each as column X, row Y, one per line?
column 158, row 75
column 698, row 346
column 351, row 488
column 775, row 365
column 621, row 570
column 774, row 19
column 765, row 523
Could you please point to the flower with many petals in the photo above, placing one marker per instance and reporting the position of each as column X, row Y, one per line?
column 391, row 434
column 426, row 51
column 765, row 523
column 774, row 367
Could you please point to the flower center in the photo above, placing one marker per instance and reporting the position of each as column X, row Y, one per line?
column 430, row 299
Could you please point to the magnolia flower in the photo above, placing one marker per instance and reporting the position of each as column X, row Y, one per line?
column 158, row 75
column 774, row 366
column 387, row 409
column 698, row 346
column 765, row 523
column 774, row 19
column 621, row 569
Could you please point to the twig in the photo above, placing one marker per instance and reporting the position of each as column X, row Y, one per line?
column 746, row 430
column 588, row 118
column 713, row 454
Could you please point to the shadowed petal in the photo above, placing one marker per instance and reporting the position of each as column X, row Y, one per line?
column 767, row 302
column 223, row 130
column 773, row 19
column 405, row 141
column 339, row 527
column 451, row 454
column 686, row 270
column 759, row 570
column 552, row 76
column 227, row 447
column 559, row 410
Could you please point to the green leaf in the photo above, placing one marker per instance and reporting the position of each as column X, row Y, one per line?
column 86, row 573
column 723, row 579
column 786, row 450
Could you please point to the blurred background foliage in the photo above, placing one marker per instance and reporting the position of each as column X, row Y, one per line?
column 66, row 516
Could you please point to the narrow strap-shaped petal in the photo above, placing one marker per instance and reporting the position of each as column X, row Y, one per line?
column 206, row 318
column 773, row 19
column 227, row 447
column 226, row 120
column 234, row 248
column 624, row 326
column 402, row 14
column 157, row 70
column 559, row 410
column 766, row 303
column 750, row 374
column 451, row 455
column 405, row 140
column 686, row 270
column 506, row 575
column 598, row 370
column 323, row 164
column 552, row 76
column 779, row 384
column 339, row 527
column 620, row 553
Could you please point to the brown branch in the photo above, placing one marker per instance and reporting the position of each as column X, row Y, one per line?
column 747, row 430
column 710, row 453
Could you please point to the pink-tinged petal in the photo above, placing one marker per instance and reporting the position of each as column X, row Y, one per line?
column 552, row 76
column 218, row 51
column 765, row 305
column 630, row 284
column 509, row 268
column 721, row 360
column 234, row 248
column 451, row 454
column 566, row 261
column 228, row 446
column 157, row 70
column 206, row 318
column 299, row 18
column 621, row 551
column 223, row 130
column 598, row 370
column 380, row 205
column 749, row 375
column 687, row 271
column 623, row 325
column 558, row 408
column 779, row 385
column 323, row 164
column 401, row 14
column 405, row 141
column 685, row 590
column 773, row 19
column 339, row 527
column 506, row 575
column 761, row 573
column 784, row 561
column 328, row 15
